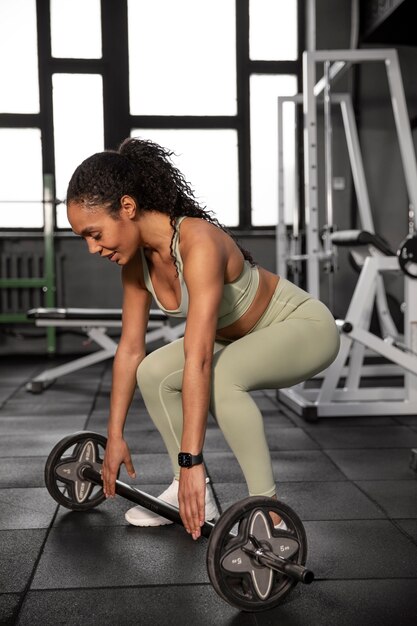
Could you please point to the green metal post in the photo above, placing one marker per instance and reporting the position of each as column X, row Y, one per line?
column 49, row 253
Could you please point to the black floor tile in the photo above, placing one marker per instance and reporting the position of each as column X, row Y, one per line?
column 264, row 403
column 215, row 441
column 136, row 421
column 229, row 493
column 365, row 437
column 67, row 408
column 407, row 420
column 33, row 424
column 8, row 608
column 152, row 468
column 22, row 472
column 289, row 439
column 98, row 420
column 26, row 508
column 372, row 421
column 5, row 393
column 187, row 605
column 122, row 556
column 360, row 549
column 312, row 501
column 145, row 441
column 288, row 465
column 347, row 603
column 397, row 498
column 32, row 444
column 102, row 403
column 308, row 465
column 223, row 467
column 276, row 419
column 373, row 464
column 19, row 550
column 15, row 369
column 108, row 513
column 410, row 527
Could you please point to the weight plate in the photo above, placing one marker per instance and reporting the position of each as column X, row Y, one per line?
column 407, row 256
column 236, row 575
column 62, row 470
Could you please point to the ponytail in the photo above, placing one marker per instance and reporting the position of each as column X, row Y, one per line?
column 144, row 170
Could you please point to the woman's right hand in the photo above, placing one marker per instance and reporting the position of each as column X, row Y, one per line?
column 117, row 452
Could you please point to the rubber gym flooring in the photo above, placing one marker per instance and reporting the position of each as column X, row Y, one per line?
column 348, row 479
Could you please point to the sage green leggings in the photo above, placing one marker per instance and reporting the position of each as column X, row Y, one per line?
column 295, row 338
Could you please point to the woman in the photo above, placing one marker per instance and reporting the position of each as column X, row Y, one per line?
column 246, row 328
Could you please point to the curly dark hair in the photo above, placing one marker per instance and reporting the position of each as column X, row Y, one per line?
column 144, row 170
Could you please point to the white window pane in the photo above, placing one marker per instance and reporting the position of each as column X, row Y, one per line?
column 19, row 92
column 182, row 57
column 78, row 126
column 208, row 160
column 265, row 90
column 76, row 29
column 21, row 178
column 273, row 30
column 290, row 167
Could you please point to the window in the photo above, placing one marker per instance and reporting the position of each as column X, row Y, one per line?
column 19, row 82
column 265, row 90
column 76, row 29
column 208, row 160
column 21, row 178
column 273, row 30
column 78, row 129
column 201, row 78
column 184, row 63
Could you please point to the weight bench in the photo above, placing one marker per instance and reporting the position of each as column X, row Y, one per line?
column 94, row 323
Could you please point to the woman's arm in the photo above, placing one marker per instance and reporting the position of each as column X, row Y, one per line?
column 129, row 354
column 204, row 266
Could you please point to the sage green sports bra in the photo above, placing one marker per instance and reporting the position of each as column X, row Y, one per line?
column 237, row 295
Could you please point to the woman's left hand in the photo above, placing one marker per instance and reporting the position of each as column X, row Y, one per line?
column 192, row 498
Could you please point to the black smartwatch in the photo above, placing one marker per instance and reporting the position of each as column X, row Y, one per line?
column 185, row 459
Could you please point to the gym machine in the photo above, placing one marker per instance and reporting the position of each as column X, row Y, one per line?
column 288, row 250
column 252, row 565
column 330, row 400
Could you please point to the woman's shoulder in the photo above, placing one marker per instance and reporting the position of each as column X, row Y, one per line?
column 199, row 237
column 198, row 228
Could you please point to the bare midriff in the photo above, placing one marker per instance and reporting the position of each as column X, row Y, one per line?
column 266, row 288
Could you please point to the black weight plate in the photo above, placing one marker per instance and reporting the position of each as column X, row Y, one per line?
column 407, row 256
column 238, row 578
column 62, row 478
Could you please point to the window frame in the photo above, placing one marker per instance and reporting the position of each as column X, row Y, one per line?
column 118, row 122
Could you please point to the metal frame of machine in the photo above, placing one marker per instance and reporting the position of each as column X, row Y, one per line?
column 330, row 400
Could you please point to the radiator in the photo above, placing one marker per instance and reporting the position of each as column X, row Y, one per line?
column 20, row 264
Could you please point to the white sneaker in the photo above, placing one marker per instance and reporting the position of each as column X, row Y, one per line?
column 282, row 525
column 139, row 516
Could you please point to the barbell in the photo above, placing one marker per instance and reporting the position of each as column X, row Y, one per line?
column 251, row 564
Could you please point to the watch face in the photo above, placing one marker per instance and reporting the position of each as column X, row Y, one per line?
column 184, row 459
